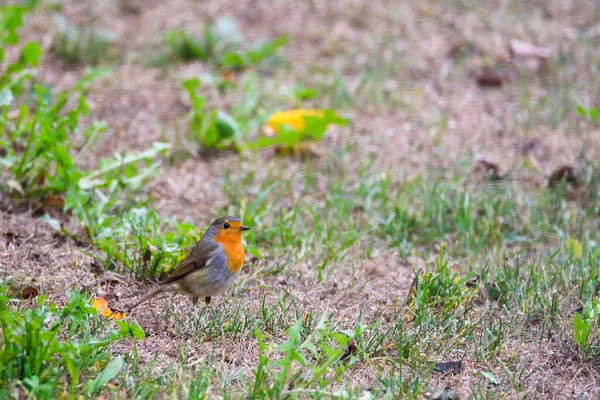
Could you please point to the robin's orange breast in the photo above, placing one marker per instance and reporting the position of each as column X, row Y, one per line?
column 234, row 251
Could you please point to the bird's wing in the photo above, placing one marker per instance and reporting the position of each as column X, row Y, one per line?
column 201, row 255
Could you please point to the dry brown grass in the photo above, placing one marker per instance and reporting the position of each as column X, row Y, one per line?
column 422, row 112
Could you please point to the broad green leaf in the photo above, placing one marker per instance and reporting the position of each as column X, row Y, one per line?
column 581, row 330
column 108, row 374
column 31, row 53
column 133, row 330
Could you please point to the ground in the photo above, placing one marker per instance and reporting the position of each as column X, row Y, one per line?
column 395, row 226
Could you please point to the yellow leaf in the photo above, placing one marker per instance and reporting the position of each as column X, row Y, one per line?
column 294, row 119
column 575, row 247
column 101, row 305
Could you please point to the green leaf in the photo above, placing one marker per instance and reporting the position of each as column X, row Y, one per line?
column 267, row 49
column 31, row 53
column 582, row 111
column 226, row 125
column 594, row 114
column 191, row 84
column 232, row 60
column 130, row 330
column 575, row 248
column 581, row 330
column 490, row 377
column 108, row 374
column 6, row 97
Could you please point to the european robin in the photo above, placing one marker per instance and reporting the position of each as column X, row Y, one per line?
column 211, row 265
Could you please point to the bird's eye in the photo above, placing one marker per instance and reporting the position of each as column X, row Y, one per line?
column 226, row 225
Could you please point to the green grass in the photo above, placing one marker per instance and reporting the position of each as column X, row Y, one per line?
column 497, row 267
column 82, row 45
column 220, row 46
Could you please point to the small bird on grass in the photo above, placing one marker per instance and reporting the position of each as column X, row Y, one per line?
column 211, row 265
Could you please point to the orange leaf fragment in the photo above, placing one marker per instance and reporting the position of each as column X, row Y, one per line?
column 101, row 305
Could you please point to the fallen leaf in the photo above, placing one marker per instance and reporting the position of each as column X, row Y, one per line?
column 565, row 172
column 14, row 114
column 490, row 78
column 24, row 292
column 492, row 169
column 351, row 349
column 102, row 306
column 520, row 49
column 528, row 145
column 229, row 76
column 111, row 277
column 147, row 256
column 282, row 281
column 490, row 377
column 448, row 367
column 473, row 281
column 294, row 119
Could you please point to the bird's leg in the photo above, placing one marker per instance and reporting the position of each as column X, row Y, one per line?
column 207, row 300
column 195, row 300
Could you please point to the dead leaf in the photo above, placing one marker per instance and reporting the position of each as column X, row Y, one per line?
column 147, row 256
column 351, row 349
column 282, row 281
column 524, row 50
column 490, row 78
column 24, row 292
column 101, row 304
column 229, row 76
column 473, row 281
column 55, row 201
column 14, row 114
column 531, row 56
column 111, row 277
column 448, row 367
column 528, row 145
column 566, row 172
column 493, row 171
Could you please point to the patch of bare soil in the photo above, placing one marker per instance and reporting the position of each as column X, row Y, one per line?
column 32, row 253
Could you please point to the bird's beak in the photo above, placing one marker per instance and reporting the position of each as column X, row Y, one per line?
column 244, row 228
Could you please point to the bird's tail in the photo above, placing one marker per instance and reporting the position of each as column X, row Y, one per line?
column 162, row 289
